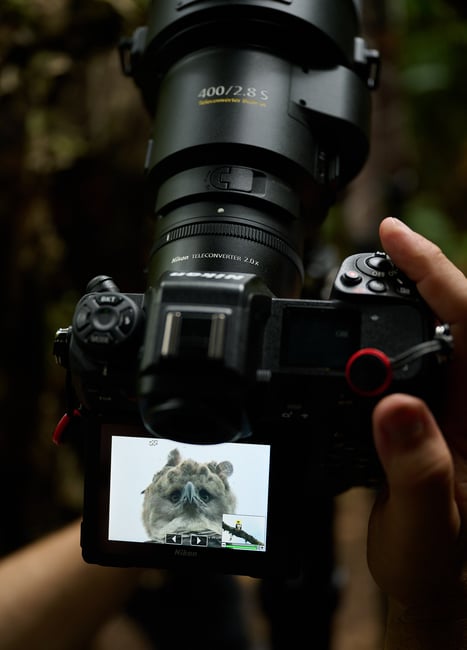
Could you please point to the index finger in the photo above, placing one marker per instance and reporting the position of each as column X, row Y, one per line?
column 439, row 281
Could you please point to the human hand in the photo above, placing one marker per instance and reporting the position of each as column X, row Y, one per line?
column 417, row 543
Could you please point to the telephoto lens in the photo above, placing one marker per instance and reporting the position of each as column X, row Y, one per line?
column 260, row 116
column 261, row 111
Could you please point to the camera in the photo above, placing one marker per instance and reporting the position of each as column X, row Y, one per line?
column 207, row 398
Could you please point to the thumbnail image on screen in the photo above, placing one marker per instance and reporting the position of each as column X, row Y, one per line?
column 168, row 492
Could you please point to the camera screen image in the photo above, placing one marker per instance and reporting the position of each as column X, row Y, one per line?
column 172, row 493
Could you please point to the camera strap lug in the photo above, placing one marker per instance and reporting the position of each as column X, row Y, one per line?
column 369, row 371
column 131, row 50
column 66, row 426
column 368, row 62
column 442, row 344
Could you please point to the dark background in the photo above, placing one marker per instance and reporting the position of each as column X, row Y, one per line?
column 73, row 133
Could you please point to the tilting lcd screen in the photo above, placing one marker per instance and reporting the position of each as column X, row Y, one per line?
column 167, row 492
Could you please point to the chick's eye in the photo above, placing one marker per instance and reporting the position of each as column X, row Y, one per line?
column 204, row 495
column 174, row 496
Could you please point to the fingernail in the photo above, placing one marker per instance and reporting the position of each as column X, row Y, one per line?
column 403, row 430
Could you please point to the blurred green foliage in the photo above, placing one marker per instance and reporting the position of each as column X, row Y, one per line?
column 432, row 59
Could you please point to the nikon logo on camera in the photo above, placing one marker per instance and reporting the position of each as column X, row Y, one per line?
column 183, row 553
column 207, row 275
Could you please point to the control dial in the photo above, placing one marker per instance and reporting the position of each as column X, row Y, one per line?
column 105, row 320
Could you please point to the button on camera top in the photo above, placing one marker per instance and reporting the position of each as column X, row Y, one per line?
column 127, row 320
column 403, row 288
column 351, row 278
column 109, row 299
column 104, row 319
column 376, row 286
column 380, row 263
column 372, row 275
column 376, row 265
column 101, row 338
column 82, row 317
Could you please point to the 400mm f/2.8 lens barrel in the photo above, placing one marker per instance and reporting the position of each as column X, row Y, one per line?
column 261, row 112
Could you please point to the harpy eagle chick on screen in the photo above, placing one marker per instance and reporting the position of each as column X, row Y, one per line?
column 188, row 497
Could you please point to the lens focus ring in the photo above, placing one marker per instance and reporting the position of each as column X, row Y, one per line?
column 228, row 230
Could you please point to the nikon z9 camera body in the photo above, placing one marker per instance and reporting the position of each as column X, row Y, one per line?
column 218, row 407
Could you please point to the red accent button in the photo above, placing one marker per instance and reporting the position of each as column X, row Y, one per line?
column 369, row 372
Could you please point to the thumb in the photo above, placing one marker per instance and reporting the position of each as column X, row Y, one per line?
column 416, row 523
column 411, row 448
